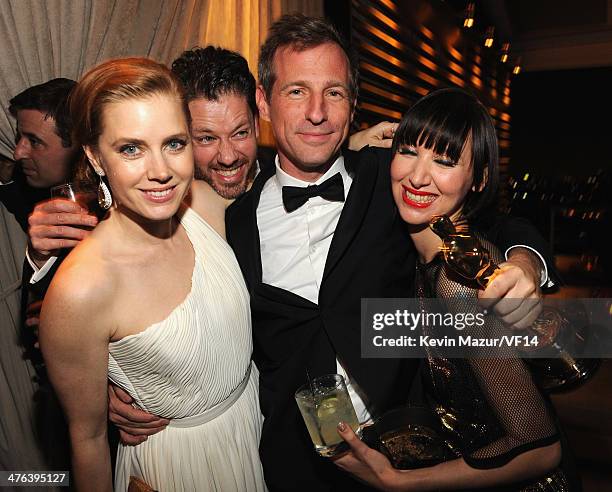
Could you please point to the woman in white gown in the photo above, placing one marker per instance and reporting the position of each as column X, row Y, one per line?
column 153, row 299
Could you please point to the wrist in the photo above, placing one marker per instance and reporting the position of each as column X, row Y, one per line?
column 391, row 479
column 528, row 262
column 39, row 257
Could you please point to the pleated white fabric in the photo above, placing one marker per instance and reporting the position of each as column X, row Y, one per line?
column 182, row 367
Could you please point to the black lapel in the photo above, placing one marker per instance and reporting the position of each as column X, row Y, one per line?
column 244, row 233
column 363, row 166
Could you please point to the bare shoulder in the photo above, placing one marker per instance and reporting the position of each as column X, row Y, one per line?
column 209, row 205
column 81, row 291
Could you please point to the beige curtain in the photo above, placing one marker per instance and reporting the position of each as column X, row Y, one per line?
column 43, row 39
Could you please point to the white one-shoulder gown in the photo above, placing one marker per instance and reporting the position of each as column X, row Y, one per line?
column 194, row 367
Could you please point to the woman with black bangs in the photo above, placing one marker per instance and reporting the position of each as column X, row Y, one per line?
column 445, row 162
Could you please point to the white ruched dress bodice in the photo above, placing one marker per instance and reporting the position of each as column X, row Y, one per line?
column 190, row 367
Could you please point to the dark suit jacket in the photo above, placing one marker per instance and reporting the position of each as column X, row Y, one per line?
column 371, row 255
column 19, row 198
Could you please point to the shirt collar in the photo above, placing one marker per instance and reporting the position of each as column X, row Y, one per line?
column 285, row 179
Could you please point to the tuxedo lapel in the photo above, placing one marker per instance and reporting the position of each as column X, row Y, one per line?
column 365, row 172
column 245, row 234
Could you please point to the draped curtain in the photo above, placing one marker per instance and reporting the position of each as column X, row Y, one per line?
column 44, row 39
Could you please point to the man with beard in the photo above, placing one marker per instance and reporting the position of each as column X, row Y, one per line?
column 220, row 92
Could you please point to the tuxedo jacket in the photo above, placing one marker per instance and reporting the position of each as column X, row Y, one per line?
column 371, row 255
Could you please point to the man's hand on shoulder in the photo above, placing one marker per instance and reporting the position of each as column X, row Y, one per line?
column 514, row 293
column 57, row 224
column 379, row 135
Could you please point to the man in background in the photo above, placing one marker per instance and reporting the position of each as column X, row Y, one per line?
column 44, row 153
column 44, row 157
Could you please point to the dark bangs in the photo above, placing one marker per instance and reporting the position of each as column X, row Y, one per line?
column 435, row 125
column 443, row 121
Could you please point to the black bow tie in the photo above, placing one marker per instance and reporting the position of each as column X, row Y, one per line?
column 331, row 189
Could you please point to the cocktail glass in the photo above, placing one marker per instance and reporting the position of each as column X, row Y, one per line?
column 324, row 402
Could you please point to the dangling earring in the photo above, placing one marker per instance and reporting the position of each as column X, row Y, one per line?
column 105, row 200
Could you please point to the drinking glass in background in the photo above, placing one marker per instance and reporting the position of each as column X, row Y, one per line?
column 84, row 194
column 324, row 402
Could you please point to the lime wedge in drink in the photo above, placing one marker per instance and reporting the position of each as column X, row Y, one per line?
column 327, row 407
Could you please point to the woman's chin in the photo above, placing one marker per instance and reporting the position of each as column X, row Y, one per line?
column 416, row 219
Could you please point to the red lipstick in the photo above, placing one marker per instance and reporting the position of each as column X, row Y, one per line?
column 412, row 203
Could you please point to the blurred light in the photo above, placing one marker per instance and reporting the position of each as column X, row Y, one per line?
column 389, row 4
column 385, row 37
column 526, row 177
column 380, row 110
column 524, row 195
column 428, row 33
column 367, row 67
column 489, row 37
column 517, row 66
column 430, row 50
column 382, row 17
column 385, row 93
column 504, row 51
column 469, row 15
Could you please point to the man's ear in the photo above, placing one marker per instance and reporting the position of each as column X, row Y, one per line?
column 262, row 103
column 93, row 160
column 485, row 178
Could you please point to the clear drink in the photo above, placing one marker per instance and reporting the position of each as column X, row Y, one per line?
column 323, row 409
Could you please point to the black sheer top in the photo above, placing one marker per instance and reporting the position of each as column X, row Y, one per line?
column 491, row 408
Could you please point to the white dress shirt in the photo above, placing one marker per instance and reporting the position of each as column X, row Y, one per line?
column 294, row 245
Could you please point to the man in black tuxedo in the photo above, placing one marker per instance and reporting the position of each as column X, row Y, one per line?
column 310, row 253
